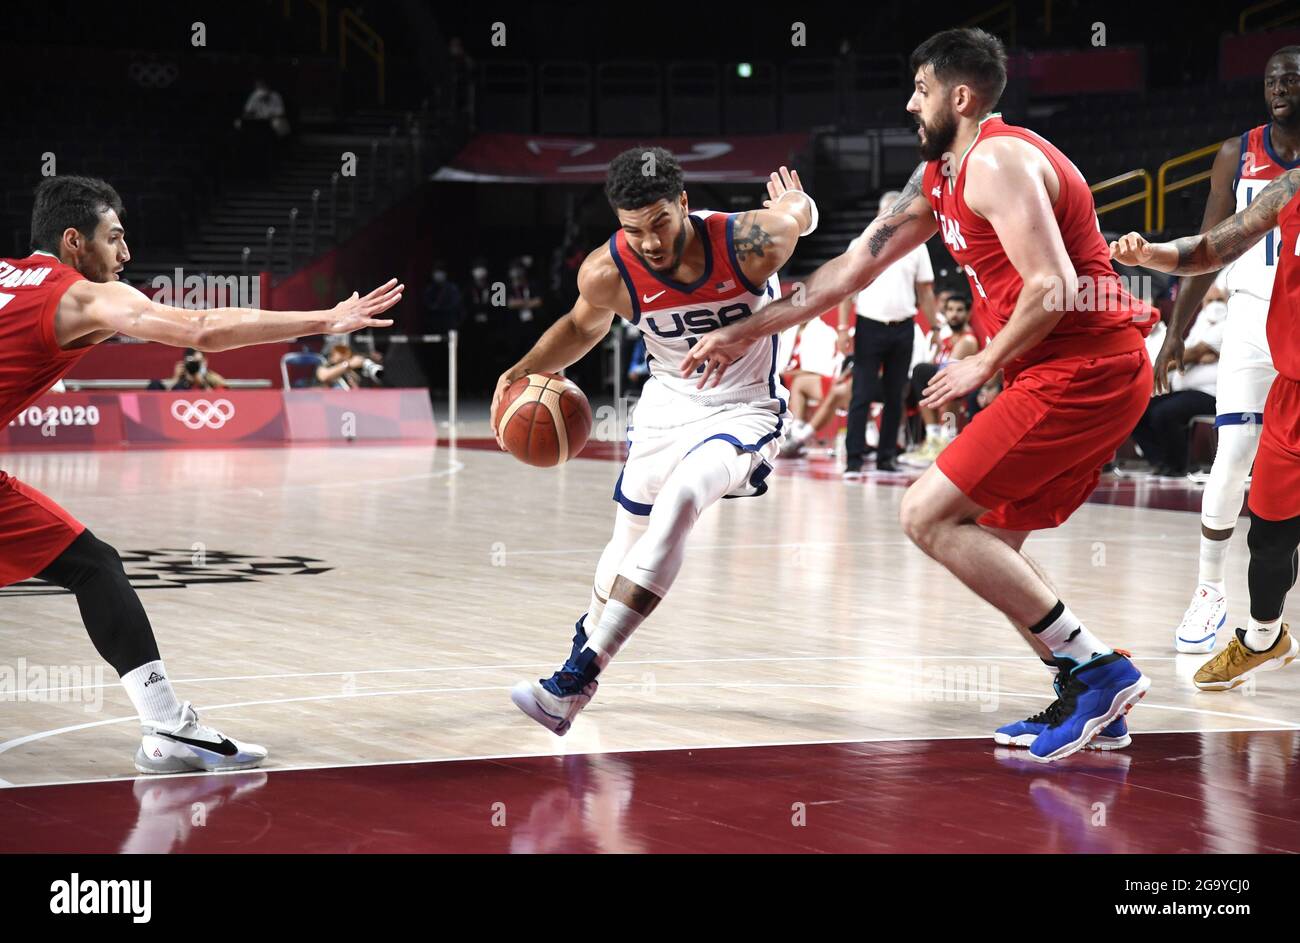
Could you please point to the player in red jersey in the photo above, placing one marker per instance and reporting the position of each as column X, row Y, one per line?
column 1274, row 501
column 55, row 305
column 1019, row 219
column 1244, row 166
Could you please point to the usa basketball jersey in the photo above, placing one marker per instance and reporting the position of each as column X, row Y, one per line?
column 673, row 316
column 1259, row 166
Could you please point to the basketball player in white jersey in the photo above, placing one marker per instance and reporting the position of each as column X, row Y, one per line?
column 1243, row 167
column 676, row 275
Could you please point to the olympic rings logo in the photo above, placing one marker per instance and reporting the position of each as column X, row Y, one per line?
column 153, row 74
column 197, row 413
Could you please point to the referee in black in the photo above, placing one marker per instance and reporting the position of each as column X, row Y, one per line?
column 883, row 337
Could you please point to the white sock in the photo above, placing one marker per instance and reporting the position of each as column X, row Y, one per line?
column 1260, row 636
column 616, row 626
column 151, row 694
column 933, row 430
column 1066, row 636
column 1214, row 553
column 803, row 431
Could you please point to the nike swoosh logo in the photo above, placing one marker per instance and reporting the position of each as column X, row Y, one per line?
column 646, row 299
column 225, row 747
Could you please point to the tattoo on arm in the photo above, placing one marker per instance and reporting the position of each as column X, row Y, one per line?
column 893, row 219
column 1230, row 239
column 750, row 238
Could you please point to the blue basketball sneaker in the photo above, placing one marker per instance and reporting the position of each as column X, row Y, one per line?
column 1022, row 733
column 555, row 701
column 1093, row 695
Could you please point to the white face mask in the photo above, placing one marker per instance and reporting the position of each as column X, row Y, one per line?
column 479, row 273
column 527, row 261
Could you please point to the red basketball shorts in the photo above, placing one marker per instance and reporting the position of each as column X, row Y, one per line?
column 1036, row 453
column 33, row 530
column 1275, row 487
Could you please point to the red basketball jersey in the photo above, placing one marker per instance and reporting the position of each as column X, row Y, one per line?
column 1103, row 306
column 1284, row 307
column 30, row 359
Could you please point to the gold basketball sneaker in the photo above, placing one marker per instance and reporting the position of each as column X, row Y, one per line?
column 1232, row 666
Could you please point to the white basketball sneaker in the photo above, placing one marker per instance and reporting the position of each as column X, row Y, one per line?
column 190, row 747
column 554, row 702
column 1199, row 629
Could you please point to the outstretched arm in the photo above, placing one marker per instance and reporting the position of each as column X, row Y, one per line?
column 95, row 311
column 890, row 236
column 1225, row 243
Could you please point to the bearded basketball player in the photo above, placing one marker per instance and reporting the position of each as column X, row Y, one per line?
column 1019, row 219
column 55, row 305
column 678, row 275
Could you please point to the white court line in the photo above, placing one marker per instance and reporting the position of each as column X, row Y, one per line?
column 831, row 544
column 486, row 757
column 29, row 738
column 454, row 467
column 525, row 666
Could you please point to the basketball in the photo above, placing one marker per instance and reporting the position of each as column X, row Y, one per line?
column 545, row 419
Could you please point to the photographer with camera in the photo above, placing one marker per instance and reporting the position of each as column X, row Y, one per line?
column 193, row 373
column 345, row 370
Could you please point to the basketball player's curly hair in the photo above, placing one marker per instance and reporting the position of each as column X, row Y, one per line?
column 641, row 176
column 967, row 56
column 69, row 201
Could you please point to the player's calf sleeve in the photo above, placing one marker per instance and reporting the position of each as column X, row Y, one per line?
column 628, row 529
column 117, row 624
column 1221, row 504
column 110, row 608
column 1273, row 565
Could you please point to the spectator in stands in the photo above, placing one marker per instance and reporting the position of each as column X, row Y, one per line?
column 264, row 104
column 345, row 370
column 478, row 296
column 443, row 304
column 193, row 373
column 953, row 341
column 1164, row 431
column 461, row 85
column 261, row 127
column 565, row 263
column 886, row 311
column 524, row 300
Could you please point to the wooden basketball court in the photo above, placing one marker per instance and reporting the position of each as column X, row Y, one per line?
column 362, row 612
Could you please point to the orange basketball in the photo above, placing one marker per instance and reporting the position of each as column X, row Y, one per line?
column 545, row 419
